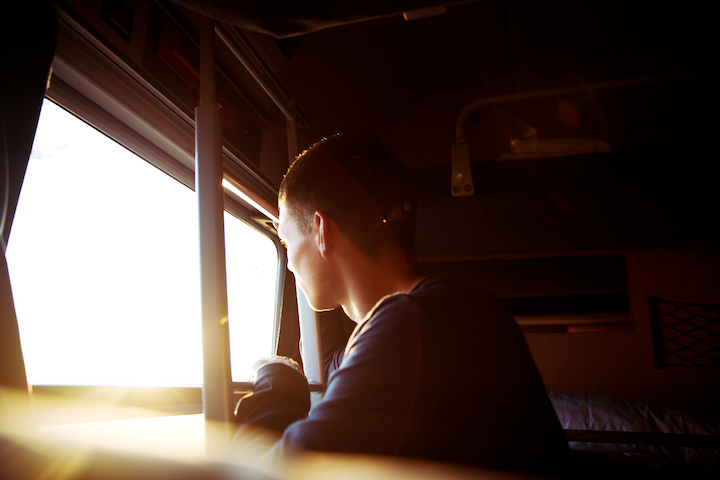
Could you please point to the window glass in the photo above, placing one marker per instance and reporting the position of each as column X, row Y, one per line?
column 252, row 261
column 103, row 260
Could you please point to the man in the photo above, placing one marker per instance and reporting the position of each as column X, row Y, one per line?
column 436, row 369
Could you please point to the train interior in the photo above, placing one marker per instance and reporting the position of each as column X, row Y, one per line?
column 562, row 154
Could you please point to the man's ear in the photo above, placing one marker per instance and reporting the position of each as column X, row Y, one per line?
column 324, row 235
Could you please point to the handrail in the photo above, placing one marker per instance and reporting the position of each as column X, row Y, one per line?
column 284, row 107
column 566, row 90
column 461, row 179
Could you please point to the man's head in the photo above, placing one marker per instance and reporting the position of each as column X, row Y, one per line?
column 360, row 184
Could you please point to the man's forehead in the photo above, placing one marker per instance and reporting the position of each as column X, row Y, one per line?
column 282, row 216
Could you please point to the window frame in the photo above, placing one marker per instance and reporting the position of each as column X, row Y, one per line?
column 119, row 103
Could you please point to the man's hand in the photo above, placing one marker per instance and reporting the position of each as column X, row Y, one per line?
column 275, row 359
column 280, row 395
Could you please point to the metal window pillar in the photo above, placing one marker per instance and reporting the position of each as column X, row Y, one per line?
column 217, row 386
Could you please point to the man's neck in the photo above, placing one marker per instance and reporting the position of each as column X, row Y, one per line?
column 369, row 281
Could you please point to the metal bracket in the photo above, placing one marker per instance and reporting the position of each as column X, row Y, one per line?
column 461, row 183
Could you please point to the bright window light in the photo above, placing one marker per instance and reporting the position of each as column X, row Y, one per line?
column 103, row 260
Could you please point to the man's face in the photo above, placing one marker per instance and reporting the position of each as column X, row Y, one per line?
column 305, row 260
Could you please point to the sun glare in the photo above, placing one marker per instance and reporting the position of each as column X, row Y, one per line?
column 103, row 260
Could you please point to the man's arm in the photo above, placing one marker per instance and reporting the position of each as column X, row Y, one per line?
column 368, row 402
column 280, row 396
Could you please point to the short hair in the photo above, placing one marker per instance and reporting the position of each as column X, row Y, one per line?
column 361, row 184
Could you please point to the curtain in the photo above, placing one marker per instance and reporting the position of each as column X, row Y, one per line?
column 27, row 45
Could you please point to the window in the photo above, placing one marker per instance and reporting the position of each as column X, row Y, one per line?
column 103, row 260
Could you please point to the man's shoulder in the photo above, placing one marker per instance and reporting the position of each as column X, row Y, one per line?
column 470, row 306
column 435, row 295
column 450, row 287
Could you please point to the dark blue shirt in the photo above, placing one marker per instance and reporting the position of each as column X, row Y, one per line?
column 442, row 373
